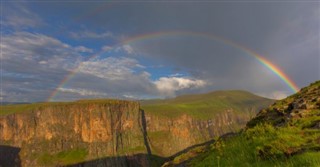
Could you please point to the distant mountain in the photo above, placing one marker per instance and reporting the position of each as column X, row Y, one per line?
column 204, row 106
column 286, row 133
column 106, row 132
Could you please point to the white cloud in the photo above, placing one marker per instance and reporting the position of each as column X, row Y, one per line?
column 32, row 48
column 91, row 34
column 128, row 96
column 83, row 49
column 176, row 75
column 37, row 59
column 82, row 92
column 106, row 48
column 43, row 62
column 110, row 68
column 168, row 86
column 128, row 49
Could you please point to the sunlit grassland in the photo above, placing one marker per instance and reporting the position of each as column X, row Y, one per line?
column 204, row 106
column 265, row 145
column 16, row 108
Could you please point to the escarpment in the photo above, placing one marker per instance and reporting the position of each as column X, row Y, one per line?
column 109, row 132
column 168, row 136
column 86, row 130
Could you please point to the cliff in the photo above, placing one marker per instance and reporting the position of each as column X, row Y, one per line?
column 287, row 133
column 58, row 134
column 120, row 133
column 175, row 124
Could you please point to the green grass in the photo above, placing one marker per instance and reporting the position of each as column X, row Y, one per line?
column 308, row 121
column 63, row 157
column 18, row 108
column 204, row 106
column 264, row 145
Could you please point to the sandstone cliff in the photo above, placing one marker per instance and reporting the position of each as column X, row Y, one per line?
column 85, row 130
column 114, row 132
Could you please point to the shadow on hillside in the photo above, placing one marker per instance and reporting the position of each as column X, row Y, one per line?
column 9, row 156
column 137, row 160
column 143, row 127
column 189, row 148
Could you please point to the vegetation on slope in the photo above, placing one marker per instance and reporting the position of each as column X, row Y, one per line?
column 204, row 106
column 16, row 108
column 285, row 134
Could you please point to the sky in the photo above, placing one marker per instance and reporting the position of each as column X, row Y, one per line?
column 69, row 50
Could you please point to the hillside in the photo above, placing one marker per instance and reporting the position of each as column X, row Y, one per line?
column 285, row 134
column 119, row 133
column 204, row 106
column 178, row 123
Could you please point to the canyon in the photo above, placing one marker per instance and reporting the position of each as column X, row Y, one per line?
column 110, row 132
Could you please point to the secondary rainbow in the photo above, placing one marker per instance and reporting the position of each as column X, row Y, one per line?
column 155, row 35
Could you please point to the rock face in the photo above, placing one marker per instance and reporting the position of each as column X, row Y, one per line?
column 108, row 132
column 90, row 129
column 185, row 131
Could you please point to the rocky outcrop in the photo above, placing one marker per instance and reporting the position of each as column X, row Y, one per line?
column 303, row 106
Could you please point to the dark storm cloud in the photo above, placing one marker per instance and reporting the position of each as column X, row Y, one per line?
column 286, row 33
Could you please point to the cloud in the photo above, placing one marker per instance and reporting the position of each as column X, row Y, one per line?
column 176, row 75
column 83, row 49
column 91, row 34
column 283, row 34
column 106, row 48
column 168, row 86
column 82, row 92
column 43, row 62
column 19, row 16
column 128, row 49
column 31, row 48
column 33, row 64
column 110, row 68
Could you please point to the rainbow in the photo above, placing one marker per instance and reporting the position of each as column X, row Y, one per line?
column 155, row 35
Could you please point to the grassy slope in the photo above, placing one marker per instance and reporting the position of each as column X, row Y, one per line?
column 204, row 106
column 268, row 142
column 200, row 105
column 17, row 108
column 264, row 145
